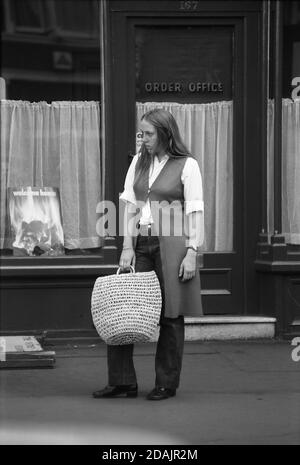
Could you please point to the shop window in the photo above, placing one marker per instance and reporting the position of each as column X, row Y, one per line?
column 290, row 170
column 51, row 147
column 291, row 123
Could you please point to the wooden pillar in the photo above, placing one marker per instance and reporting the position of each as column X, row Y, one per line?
column 278, row 119
column 264, row 113
column 277, row 251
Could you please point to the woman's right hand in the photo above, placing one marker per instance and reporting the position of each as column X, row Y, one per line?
column 127, row 258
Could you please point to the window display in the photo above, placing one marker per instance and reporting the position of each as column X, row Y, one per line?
column 35, row 221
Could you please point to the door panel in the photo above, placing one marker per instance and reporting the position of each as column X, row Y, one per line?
column 184, row 63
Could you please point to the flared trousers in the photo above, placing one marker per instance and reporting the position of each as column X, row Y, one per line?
column 169, row 349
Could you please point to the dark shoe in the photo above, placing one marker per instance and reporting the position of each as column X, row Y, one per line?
column 160, row 393
column 130, row 390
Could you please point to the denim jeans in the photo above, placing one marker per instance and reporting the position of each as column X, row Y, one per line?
column 169, row 350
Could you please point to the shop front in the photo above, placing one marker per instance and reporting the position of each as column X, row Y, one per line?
column 76, row 78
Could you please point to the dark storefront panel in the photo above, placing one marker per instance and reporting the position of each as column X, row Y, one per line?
column 109, row 58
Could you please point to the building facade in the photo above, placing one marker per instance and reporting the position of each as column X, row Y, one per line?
column 76, row 78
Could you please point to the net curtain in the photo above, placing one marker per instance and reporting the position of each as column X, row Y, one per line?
column 58, row 145
column 207, row 131
column 54, row 145
column 290, row 197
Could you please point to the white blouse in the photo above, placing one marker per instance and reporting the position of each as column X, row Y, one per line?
column 190, row 178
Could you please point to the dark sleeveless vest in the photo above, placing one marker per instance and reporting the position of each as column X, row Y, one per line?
column 181, row 298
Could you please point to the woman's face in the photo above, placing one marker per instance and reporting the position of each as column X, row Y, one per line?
column 149, row 134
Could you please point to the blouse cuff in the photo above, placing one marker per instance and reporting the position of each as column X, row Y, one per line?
column 193, row 206
column 128, row 196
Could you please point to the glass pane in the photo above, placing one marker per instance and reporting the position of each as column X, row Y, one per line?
column 291, row 123
column 28, row 13
column 77, row 16
column 51, row 157
column 290, row 197
column 187, row 70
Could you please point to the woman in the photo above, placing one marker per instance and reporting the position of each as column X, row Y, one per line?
column 165, row 179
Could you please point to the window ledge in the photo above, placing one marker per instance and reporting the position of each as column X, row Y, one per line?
column 277, row 266
column 58, row 266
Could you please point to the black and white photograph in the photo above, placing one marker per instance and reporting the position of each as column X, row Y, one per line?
column 150, row 225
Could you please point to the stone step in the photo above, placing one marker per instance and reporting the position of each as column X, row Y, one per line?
column 228, row 327
column 203, row 328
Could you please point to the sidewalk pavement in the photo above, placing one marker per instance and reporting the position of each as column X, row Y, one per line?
column 241, row 392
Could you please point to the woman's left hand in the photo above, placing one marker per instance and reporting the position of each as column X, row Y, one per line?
column 187, row 268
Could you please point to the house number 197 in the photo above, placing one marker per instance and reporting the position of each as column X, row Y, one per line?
column 189, row 5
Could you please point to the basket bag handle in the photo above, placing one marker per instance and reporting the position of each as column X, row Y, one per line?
column 132, row 270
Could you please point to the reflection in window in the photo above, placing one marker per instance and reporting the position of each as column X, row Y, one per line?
column 79, row 16
column 29, row 13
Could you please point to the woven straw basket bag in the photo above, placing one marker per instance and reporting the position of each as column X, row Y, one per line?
column 126, row 307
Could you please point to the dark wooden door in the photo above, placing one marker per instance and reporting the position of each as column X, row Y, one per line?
column 160, row 52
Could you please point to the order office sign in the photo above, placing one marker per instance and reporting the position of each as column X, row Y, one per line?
column 184, row 63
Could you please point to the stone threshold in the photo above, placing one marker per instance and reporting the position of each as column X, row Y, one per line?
column 222, row 319
column 228, row 327
column 204, row 328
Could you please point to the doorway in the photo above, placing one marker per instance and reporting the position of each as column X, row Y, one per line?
column 203, row 67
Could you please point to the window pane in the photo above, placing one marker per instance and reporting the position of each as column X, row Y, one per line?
column 77, row 16
column 201, row 101
column 28, row 13
column 51, row 157
column 291, row 123
column 290, row 197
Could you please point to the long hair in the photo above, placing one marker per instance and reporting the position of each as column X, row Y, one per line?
column 168, row 136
